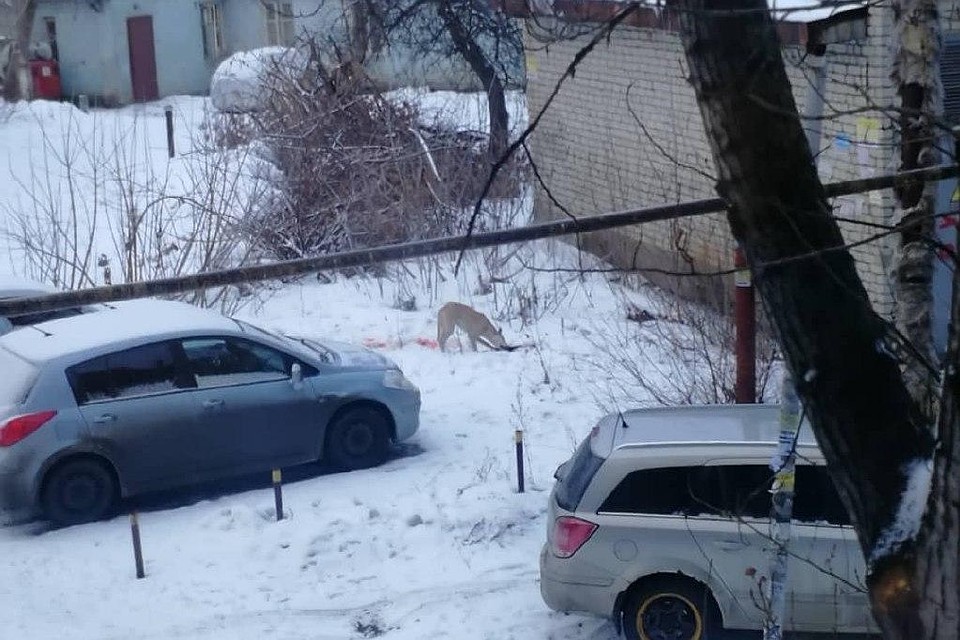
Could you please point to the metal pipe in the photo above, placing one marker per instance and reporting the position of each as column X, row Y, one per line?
column 745, row 323
column 813, row 105
column 407, row 250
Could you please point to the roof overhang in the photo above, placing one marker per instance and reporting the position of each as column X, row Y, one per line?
column 797, row 24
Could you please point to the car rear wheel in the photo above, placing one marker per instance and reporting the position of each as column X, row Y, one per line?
column 78, row 491
column 671, row 609
column 358, row 438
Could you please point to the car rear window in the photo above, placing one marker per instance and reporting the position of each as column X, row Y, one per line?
column 575, row 475
column 17, row 379
column 43, row 316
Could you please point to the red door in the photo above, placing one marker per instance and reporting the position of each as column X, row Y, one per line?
column 143, row 59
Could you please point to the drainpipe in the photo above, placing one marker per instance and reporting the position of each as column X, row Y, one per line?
column 745, row 335
column 784, row 460
column 816, row 61
column 744, row 307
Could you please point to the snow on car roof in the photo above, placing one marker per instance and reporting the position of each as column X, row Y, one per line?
column 13, row 287
column 735, row 424
column 117, row 323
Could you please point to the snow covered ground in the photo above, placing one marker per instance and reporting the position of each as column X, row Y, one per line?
column 437, row 543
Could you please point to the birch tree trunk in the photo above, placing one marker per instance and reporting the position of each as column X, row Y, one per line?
column 916, row 73
column 14, row 88
column 877, row 443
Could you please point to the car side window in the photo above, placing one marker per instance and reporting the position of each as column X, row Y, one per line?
column 725, row 490
column 745, row 490
column 133, row 372
column 219, row 361
column 687, row 491
column 816, row 499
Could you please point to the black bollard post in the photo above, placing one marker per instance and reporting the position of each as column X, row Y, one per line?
column 168, row 114
column 518, row 438
column 137, row 549
column 278, row 494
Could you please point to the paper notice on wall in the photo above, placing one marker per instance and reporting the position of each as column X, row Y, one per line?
column 867, row 141
column 532, row 64
column 868, row 131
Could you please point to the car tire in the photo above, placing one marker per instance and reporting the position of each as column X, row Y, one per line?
column 671, row 609
column 358, row 438
column 78, row 491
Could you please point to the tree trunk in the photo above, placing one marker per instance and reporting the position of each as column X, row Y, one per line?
column 13, row 88
column 868, row 427
column 936, row 582
column 467, row 46
column 916, row 72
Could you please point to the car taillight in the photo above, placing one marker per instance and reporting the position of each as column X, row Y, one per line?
column 17, row 428
column 569, row 534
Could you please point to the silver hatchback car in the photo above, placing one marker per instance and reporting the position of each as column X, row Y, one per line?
column 660, row 521
column 150, row 395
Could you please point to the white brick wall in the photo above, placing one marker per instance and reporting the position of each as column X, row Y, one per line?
column 594, row 155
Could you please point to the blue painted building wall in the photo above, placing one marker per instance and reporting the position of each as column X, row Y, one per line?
column 95, row 59
column 94, row 51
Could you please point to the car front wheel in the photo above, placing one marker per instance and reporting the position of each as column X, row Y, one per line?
column 358, row 438
column 671, row 609
column 78, row 491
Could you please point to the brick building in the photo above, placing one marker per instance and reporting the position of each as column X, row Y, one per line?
column 626, row 132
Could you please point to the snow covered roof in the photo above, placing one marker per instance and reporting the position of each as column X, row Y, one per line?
column 115, row 324
column 791, row 11
column 809, row 11
column 238, row 83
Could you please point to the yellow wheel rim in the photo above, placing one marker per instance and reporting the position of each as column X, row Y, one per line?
column 669, row 616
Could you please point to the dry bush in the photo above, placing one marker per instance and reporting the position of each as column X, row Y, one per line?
column 94, row 208
column 671, row 352
column 354, row 168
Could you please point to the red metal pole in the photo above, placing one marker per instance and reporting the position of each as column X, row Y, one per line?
column 745, row 320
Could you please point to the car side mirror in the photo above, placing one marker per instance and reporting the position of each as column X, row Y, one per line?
column 296, row 374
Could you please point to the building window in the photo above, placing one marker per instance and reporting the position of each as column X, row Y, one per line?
column 212, row 30
column 950, row 76
column 279, row 23
column 50, row 27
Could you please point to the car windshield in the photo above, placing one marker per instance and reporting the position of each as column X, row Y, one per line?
column 247, row 327
column 323, row 352
column 314, row 347
column 44, row 316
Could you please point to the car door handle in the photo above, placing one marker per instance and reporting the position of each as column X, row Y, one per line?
column 213, row 404
column 731, row 545
column 105, row 419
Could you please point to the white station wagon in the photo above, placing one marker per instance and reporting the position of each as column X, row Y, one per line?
column 660, row 520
